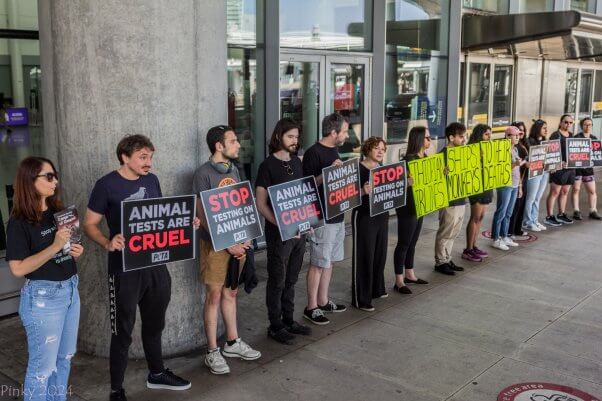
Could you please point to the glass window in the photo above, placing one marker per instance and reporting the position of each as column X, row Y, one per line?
column 460, row 113
column 597, row 104
column 416, row 67
column 347, row 99
column 478, row 94
column 584, row 5
column 493, row 6
column 245, row 83
column 300, row 97
column 585, row 93
column 533, row 6
column 326, row 24
column 502, row 96
column 570, row 92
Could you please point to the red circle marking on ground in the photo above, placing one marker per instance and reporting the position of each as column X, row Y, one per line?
column 536, row 391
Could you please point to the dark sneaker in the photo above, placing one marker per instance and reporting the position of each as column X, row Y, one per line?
column 167, row 380
column 282, row 336
column 404, row 289
column 577, row 215
column 332, row 307
column 367, row 308
column 118, row 396
column 316, row 316
column 563, row 218
column 445, row 268
column 469, row 254
column 480, row 252
column 552, row 221
column 594, row 215
column 455, row 267
column 298, row 328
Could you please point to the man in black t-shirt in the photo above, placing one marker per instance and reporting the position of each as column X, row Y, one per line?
column 150, row 289
column 325, row 243
column 284, row 258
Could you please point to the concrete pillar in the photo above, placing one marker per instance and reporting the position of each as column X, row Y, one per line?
column 16, row 61
column 118, row 67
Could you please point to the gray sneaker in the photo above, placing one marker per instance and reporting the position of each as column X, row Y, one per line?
column 241, row 349
column 216, row 363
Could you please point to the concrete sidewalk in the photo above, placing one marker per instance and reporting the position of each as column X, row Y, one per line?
column 531, row 314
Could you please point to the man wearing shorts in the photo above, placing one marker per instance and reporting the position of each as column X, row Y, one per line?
column 325, row 243
column 217, row 172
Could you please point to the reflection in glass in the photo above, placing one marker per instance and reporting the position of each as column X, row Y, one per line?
column 462, row 95
column 570, row 93
column 415, row 67
column 585, row 93
column 478, row 94
column 584, row 5
column 326, row 24
column 494, row 6
column 299, row 97
column 502, row 96
column 533, row 6
column 346, row 98
column 597, row 104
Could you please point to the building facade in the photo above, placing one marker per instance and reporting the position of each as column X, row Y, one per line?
column 77, row 76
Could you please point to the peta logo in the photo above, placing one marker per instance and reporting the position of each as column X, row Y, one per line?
column 240, row 236
column 543, row 392
column 304, row 227
column 162, row 256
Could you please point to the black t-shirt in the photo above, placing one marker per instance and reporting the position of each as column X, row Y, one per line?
column 26, row 239
column 106, row 199
column 315, row 159
column 364, row 208
column 273, row 171
column 558, row 135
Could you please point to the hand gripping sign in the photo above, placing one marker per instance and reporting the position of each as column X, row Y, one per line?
column 157, row 231
column 388, row 188
column 231, row 215
column 578, row 152
column 296, row 205
column 596, row 153
column 537, row 160
column 342, row 187
column 464, row 171
column 497, row 163
column 429, row 186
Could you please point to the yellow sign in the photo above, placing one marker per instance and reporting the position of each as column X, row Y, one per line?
column 497, row 163
column 464, row 171
column 429, row 186
column 596, row 106
column 479, row 119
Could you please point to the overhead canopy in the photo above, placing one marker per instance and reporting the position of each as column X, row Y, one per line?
column 558, row 35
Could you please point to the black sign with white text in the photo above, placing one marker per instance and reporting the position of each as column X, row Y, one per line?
column 578, row 152
column 388, row 188
column 342, row 187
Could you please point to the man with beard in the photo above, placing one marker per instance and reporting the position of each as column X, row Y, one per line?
column 326, row 243
column 284, row 257
column 150, row 289
column 220, row 171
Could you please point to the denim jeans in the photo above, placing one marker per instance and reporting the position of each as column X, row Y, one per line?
column 535, row 190
column 49, row 311
column 506, row 196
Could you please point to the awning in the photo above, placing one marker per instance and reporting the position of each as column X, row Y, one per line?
column 558, row 35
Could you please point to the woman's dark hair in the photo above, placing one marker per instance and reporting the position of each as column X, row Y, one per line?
column 282, row 127
column 132, row 143
column 26, row 202
column 521, row 126
column 535, row 131
column 476, row 135
column 562, row 117
column 217, row 134
column 583, row 120
column 372, row 143
column 416, row 140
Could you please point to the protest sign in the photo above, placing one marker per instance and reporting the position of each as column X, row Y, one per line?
column 578, row 152
column 497, row 163
column 157, row 231
column 388, row 188
column 296, row 205
column 231, row 215
column 68, row 218
column 537, row 158
column 596, row 153
column 429, row 185
column 553, row 159
column 342, row 187
column 464, row 171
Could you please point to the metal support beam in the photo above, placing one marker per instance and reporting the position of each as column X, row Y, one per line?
column 377, row 106
column 271, row 30
column 455, row 53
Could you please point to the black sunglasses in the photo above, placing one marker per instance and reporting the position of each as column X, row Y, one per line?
column 428, row 138
column 288, row 168
column 49, row 176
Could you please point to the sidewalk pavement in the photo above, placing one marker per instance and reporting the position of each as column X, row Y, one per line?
column 532, row 314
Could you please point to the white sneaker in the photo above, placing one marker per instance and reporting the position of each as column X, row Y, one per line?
column 532, row 227
column 541, row 226
column 508, row 241
column 216, row 363
column 500, row 244
column 241, row 349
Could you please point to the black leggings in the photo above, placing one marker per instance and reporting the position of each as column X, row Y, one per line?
column 408, row 231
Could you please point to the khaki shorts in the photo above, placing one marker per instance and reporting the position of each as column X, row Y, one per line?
column 326, row 245
column 214, row 265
